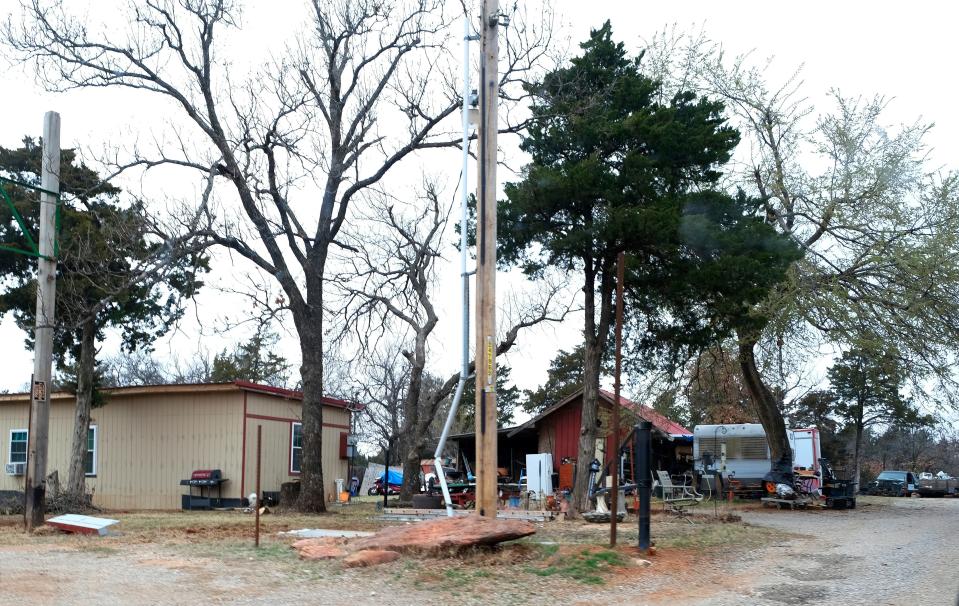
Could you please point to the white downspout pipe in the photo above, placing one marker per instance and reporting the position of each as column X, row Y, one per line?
column 464, row 275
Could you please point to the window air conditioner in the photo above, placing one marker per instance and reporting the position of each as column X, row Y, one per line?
column 15, row 469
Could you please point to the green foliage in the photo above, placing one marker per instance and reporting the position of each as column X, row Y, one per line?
column 564, row 377
column 253, row 361
column 867, row 384
column 614, row 169
column 102, row 241
column 507, row 399
column 608, row 162
column 588, row 566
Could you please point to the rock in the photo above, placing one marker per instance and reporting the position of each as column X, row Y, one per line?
column 321, row 552
column 641, row 563
column 446, row 533
column 320, row 549
column 370, row 557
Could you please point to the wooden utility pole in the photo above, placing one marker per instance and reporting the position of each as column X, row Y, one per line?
column 486, row 491
column 38, row 436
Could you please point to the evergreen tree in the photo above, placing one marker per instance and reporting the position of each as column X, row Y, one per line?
column 615, row 169
column 104, row 246
column 254, row 361
column 508, row 397
column 867, row 383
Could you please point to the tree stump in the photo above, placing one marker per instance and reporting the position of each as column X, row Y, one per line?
column 289, row 491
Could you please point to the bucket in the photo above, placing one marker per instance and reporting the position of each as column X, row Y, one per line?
column 344, row 496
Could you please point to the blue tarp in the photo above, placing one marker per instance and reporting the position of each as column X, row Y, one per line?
column 396, row 477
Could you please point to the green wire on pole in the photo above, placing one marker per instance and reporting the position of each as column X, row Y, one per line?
column 33, row 251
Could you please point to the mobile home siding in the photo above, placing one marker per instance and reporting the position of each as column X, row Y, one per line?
column 276, row 417
column 150, row 438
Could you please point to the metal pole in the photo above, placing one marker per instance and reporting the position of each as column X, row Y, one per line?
column 386, row 474
column 259, row 495
column 617, row 386
column 643, row 442
column 464, row 275
column 486, row 494
column 38, row 433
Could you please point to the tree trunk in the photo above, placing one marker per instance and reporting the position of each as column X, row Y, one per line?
column 767, row 409
column 310, row 328
column 86, row 367
column 858, row 449
column 588, row 429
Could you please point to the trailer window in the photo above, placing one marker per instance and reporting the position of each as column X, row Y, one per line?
column 18, row 446
column 754, row 448
column 296, row 447
column 90, row 461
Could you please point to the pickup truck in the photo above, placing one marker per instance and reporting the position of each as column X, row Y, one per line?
column 891, row 483
column 939, row 485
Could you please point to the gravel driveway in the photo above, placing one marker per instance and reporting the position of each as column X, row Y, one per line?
column 888, row 551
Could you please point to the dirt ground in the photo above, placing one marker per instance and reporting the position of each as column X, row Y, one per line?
column 889, row 551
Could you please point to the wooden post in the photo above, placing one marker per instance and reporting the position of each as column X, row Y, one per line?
column 486, row 489
column 617, row 386
column 38, row 436
column 259, row 495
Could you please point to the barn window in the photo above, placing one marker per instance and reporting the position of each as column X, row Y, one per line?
column 18, row 446
column 296, row 447
column 344, row 449
column 90, row 461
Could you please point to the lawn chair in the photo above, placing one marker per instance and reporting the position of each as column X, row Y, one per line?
column 676, row 497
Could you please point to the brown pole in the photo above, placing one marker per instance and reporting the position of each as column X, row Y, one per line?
column 486, row 489
column 38, row 432
column 259, row 495
column 617, row 385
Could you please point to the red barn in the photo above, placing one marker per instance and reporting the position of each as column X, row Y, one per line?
column 558, row 430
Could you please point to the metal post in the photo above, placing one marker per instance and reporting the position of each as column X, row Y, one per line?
column 643, row 442
column 617, row 386
column 486, row 493
column 386, row 474
column 259, row 495
column 38, row 436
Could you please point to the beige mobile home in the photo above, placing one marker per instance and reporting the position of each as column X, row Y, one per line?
column 144, row 440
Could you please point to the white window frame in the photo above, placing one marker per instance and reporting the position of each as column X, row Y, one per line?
column 96, row 449
column 293, row 426
column 10, row 445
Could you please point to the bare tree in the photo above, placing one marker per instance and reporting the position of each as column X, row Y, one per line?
column 367, row 84
column 876, row 223
column 389, row 287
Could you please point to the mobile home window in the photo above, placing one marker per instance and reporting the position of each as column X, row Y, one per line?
column 18, row 446
column 90, row 461
column 296, row 447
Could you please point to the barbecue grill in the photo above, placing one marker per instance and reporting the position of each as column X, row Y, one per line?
column 204, row 481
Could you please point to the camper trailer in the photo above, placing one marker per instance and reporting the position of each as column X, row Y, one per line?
column 739, row 453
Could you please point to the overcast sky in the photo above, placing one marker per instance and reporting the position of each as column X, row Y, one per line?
column 903, row 50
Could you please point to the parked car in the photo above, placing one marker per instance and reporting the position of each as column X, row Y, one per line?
column 892, row 484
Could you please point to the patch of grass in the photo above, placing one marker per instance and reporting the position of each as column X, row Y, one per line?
column 586, row 566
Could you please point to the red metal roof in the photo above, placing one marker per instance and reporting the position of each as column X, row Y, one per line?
column 659, row 421
column 293, row 394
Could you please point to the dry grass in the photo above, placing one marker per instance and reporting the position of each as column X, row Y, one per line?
column 561, row 554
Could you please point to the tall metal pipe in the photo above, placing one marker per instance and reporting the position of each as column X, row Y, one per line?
column 643, row 444
column 464, row 275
